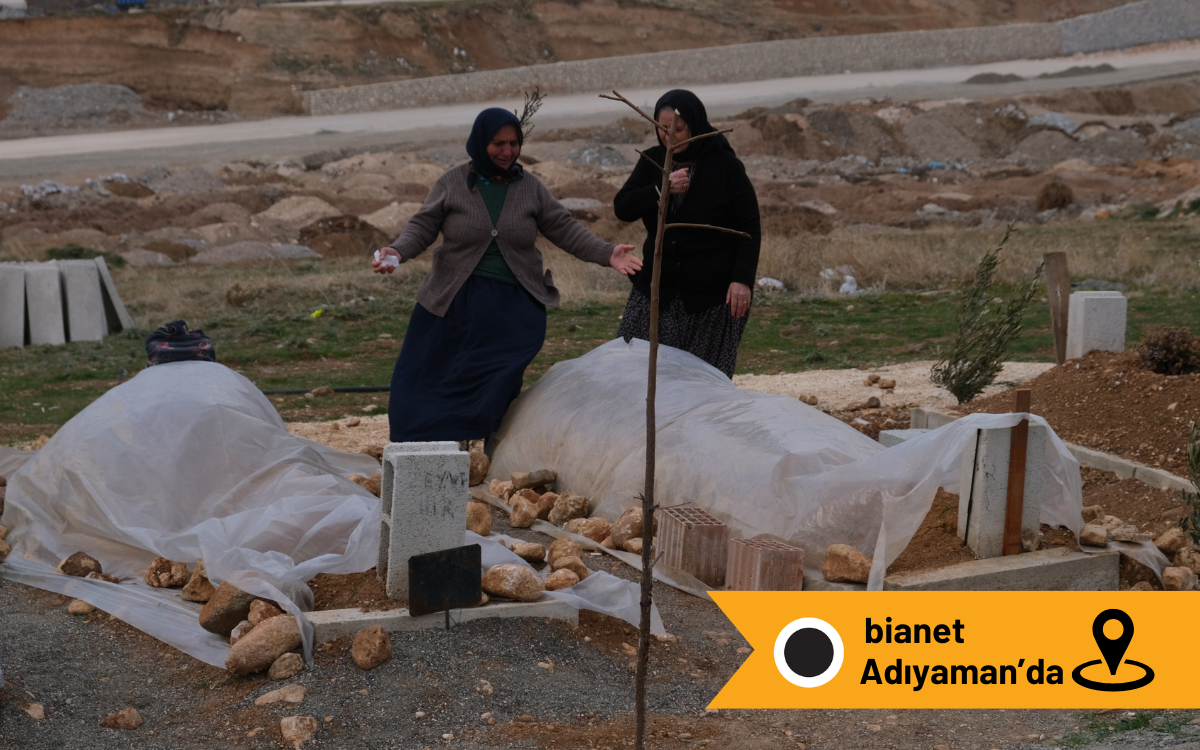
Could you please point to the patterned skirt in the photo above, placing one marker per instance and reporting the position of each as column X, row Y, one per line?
column 713, row 335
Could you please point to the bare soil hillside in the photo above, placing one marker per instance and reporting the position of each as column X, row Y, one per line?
column 251, row 61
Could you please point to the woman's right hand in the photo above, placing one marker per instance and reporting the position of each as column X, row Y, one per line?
column 679, row 181
column 378, row 265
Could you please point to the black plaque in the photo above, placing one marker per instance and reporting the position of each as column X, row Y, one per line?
column 444, row 580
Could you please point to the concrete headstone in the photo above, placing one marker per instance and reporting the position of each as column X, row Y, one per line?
column 1096, row 321
column 44, row 304
column 983, row 500
column 86, row 320
column 12, row 305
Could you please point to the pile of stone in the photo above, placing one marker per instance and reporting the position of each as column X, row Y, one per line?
column 1100, row 529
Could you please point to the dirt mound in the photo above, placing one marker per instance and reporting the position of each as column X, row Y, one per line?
column 790, row 220
column 343, row 237
column 596, row 189
column 1107, row 402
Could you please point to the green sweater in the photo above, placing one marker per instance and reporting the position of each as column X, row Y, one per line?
column 492, row 265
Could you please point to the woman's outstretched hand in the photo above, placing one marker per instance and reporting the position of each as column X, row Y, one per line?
column 380, row 264
column 738, row 299
column 623, row 261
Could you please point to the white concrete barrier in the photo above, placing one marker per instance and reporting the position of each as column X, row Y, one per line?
column 1096, row 321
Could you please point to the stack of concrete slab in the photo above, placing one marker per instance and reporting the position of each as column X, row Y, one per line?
column 58, row 301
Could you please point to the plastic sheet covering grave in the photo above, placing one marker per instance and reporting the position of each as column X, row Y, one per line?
column 190, row 461
column 766, row 465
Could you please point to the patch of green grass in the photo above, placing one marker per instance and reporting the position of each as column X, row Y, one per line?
column 280, row 346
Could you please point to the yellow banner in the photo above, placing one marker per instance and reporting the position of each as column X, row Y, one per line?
column 961, row 649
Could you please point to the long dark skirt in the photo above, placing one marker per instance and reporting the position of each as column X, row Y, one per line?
column 456, row 375
column 713, row 335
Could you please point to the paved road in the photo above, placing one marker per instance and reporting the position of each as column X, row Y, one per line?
column 37, row 158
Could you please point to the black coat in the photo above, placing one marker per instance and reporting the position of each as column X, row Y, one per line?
column 698, row 264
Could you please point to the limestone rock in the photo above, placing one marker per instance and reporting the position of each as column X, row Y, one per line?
column 1031, row 540
column 240, row 631
column 4, row 550
column 1093, row 513
column 126, row 718
column 513, row 581
column 1188, row 557
column 1133, row 571
column 3, row 533
column 1179, row 579
column 228, row 606
column 564, row 547
column 633, row 545
column 166, row 574
column 596, row 529
column 545, row 504
column 608, row 543
column 498, row 487
column 844, row 564
column 1112, row 522
column 573, row 564
column 530, row 479
column 80, row 607
column 198, row 588
column 1142, row 586
column 103, row 577
column 628, row 526
column 285, row 694
column 288, row 665
column 530, row 552
column 568, row 507
column 886, row 384
column 480, row 464
column 259, row 649
column 1171, row 541
column 1128, row 533
column 297, row 730
column 1094, row 535
column 479, row 519
column 80, row 564
column 524, row 513
column 527, row 495
column 371, row 648
column 374, row 484
column 261, row 610
column 561, row 579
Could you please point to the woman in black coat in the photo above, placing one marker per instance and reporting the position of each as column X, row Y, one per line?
column 707, row 275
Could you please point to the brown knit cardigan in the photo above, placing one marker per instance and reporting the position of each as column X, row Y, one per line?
column 462, row 218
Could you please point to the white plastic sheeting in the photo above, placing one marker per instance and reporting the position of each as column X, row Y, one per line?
column 190, row 461
column 765, row 465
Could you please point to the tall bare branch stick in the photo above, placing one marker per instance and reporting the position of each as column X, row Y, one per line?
column 648, row 506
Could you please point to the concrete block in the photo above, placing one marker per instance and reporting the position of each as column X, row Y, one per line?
column 888, row 438
column 692, row 540
column 929, row 419
column 814, row 580
column 44, row 304
column 1159, row 478
column 428, row 485
column 330, row 625
column 12, row 305
column 1057, row 569
column 86, row 320
column 114, row 310
column 984, row 482
column 1096, row 321
column 764, row 565
column 1099, row 460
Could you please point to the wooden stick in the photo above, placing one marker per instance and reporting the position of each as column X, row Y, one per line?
column 698, row 137
column 1058, row 289
column 618, row 98
column 1015, row 506
column 647, row 158
column 706, row 226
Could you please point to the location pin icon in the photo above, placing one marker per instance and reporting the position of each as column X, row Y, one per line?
column 1113, row 649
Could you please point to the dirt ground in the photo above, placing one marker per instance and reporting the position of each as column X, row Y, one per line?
column 209, row 63
column 1108, row 402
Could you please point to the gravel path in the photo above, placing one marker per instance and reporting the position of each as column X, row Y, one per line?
column 79, row 669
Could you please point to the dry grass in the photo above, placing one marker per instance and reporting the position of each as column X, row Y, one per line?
column 1158, row 256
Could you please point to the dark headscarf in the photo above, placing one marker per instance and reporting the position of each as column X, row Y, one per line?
column 175, row 342
column 691, row 109
column 487, row 124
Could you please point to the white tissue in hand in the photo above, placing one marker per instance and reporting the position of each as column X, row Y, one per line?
column 388, row 260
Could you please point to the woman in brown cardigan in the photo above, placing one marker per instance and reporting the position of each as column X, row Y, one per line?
column 480, row 316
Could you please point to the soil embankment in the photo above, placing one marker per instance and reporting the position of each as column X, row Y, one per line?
column 211, row 64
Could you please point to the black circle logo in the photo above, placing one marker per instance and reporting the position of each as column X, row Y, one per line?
column 808, row 652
